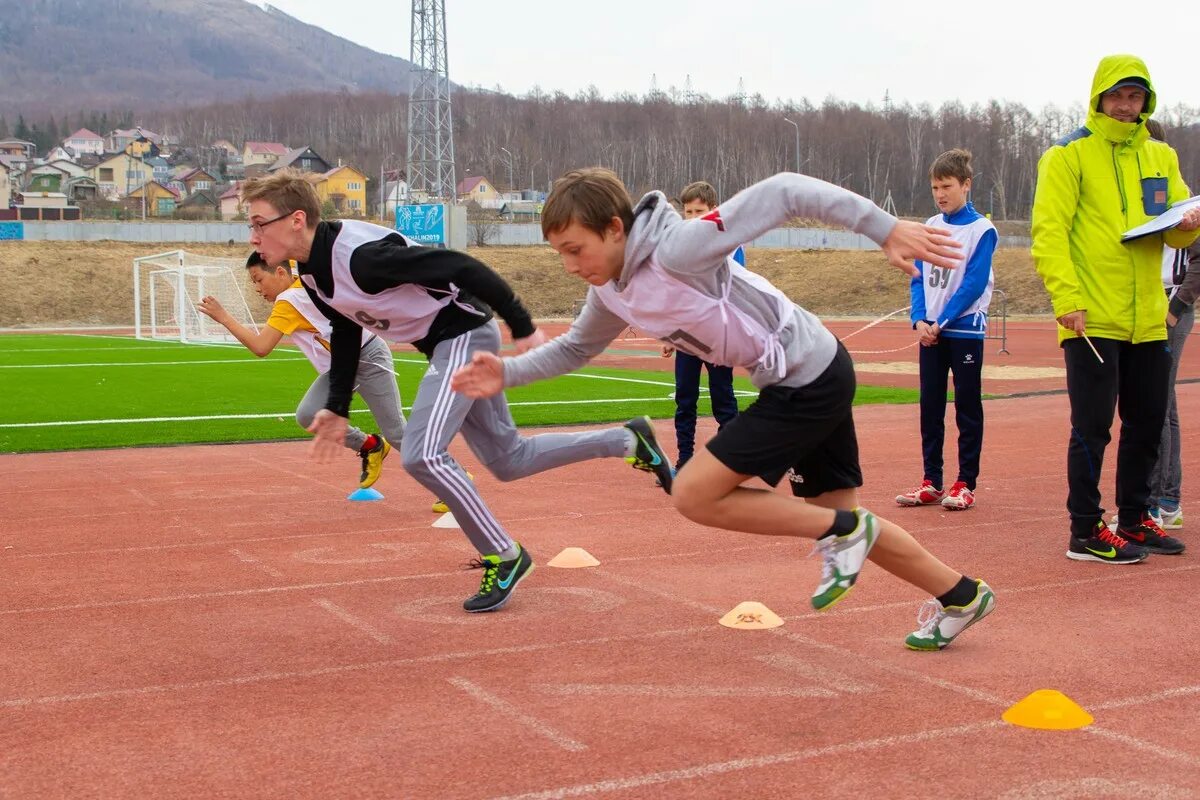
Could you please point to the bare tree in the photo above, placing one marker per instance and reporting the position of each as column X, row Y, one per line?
column 658, row 141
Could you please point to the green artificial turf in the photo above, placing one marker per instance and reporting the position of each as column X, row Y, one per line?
column 63, row 392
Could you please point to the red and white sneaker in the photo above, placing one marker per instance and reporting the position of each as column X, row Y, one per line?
column 924, row 495
column 959, row 498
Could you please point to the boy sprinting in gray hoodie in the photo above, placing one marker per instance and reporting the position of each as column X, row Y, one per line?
column 674, row 279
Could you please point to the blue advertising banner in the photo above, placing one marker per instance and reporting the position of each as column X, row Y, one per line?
column 424, row 223
column 12, row 231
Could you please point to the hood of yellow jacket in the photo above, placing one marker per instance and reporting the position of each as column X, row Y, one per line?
column 1111, row 71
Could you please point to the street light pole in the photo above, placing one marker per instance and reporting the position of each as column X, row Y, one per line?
column 797, row 127
column 389, row 158
column 532, row 185
column 510, row 168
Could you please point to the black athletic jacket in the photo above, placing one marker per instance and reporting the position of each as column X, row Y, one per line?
column 391, row 261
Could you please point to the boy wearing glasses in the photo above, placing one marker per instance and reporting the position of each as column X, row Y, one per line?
column 364, row 276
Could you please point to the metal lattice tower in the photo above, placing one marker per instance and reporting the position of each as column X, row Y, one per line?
column 430, row 128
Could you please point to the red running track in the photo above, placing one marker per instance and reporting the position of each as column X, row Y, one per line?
column 219, row 622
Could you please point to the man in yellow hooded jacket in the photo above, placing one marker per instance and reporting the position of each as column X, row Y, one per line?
column 1093, row 185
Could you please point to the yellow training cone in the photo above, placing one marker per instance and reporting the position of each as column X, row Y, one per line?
column 1047, row 709
column 751, row 616
column 446, row 520
column 573, row 558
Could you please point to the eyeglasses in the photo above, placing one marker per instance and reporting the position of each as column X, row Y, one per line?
column 257, row 227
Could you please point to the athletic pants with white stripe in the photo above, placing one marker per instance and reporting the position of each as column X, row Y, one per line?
column 487, row 426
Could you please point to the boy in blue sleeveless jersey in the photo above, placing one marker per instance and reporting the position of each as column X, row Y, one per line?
column 949, row 314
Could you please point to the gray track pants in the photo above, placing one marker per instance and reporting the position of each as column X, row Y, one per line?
column 1166, row 480
column 487, row 426
column 375, row 384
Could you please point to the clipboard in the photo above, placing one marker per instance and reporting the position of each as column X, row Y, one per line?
column 1164, row 221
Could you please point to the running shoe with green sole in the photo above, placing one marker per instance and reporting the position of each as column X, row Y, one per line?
column 843, row 558
column 939, row 626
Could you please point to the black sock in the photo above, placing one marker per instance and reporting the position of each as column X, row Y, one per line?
column 963, row 592
column 843, row 523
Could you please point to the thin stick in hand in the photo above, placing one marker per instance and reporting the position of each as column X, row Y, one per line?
column 1094, row 350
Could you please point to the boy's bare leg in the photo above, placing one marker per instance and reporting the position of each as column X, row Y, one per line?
column 708, row 492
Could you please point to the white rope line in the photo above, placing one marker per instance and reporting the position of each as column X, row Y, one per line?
column 870, row 325
column 881, row 352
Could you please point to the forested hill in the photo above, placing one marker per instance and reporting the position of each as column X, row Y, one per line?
column 59, row 55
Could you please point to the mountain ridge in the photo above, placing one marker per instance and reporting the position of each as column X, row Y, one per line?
column 65, row 55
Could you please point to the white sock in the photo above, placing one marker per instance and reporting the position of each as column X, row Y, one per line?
column 630, row 442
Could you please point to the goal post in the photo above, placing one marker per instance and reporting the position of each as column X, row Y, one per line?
column 168, row 286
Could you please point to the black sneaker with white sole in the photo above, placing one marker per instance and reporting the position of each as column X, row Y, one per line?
column 500, row 579
column 648, row 456
column 1105, row 547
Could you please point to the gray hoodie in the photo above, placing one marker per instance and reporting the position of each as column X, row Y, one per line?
column 696, row 252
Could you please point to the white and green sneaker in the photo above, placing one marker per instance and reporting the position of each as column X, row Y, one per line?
column 940, row 626
column 1170, row 520
column 843, row 558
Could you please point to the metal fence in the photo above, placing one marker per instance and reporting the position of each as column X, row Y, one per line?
column 506, row 235
column 212, row 232
column 522, row 233
column 1002, row 316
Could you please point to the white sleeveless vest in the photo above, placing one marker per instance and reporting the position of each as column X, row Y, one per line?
column 313, row 345
column 402, row 314
column 941, row 284
column 713, row 329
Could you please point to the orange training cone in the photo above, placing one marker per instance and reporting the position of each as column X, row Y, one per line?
column 573, row 558
column 751, row 616
column 1047, row 709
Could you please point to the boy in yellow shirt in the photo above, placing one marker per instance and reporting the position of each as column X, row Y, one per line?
column 295, row 315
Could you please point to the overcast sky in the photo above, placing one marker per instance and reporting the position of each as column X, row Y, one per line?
column 1031, row 52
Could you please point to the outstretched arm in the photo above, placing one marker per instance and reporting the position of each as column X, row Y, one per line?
column 587, row 337
column 697, row 244
column 260, row 343
column 589, row 334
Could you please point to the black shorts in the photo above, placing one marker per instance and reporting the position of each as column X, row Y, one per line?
column 808, row 431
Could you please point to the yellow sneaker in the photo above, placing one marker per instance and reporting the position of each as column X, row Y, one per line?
column 440, row 507
column 372, row 463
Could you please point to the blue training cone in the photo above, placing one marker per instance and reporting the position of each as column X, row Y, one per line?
column 364, row 495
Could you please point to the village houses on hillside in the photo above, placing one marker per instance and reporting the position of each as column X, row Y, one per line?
column 136, row 172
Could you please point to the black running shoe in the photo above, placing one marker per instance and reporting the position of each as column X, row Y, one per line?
column 1106, row 547
column 1149, row 535
column 647, row 455
column 500, row 578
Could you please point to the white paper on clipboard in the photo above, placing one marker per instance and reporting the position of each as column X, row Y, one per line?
column 1164, row 221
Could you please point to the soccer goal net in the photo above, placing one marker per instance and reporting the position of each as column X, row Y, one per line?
column 168, row 286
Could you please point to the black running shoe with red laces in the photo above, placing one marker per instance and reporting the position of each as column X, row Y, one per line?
column 1106, row 547
column 1149, row 535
